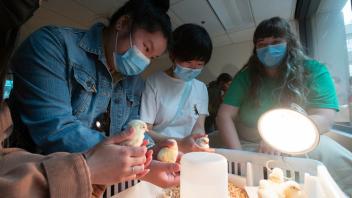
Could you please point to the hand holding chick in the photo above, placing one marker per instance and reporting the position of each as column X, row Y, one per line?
column 140, row 128
column 169, row 154
column 203, row 142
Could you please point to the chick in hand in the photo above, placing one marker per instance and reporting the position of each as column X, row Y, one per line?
column 203, row 142
column 168, row 154
column 140, row 128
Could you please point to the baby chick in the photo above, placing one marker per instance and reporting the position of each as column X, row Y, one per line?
column 277, row 175
column 292, row 189
column 168, row 154
column 140, row 128
column 203, row 142
column 272, row 187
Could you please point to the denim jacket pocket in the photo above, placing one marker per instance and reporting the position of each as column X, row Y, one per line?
column 82, row 90
column 133, row 101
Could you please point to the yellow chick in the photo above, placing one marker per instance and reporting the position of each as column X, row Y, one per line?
column 267, row 190
column 203, row 142
column 272, row 188
column 140, row 128
column 277, row 175
column 292, row 189
column 168, row 154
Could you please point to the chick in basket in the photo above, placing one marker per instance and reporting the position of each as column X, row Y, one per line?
column 276, row 187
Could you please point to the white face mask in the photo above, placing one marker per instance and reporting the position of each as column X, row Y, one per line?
column 132, row 62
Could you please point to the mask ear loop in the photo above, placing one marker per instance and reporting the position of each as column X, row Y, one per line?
column 131, row 40
column 117, row 34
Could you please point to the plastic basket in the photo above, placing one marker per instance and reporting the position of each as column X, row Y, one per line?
column 252, row 166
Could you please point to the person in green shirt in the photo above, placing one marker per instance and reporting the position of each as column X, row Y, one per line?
column 277, row 74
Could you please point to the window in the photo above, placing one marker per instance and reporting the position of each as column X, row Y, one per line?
column 331, row 30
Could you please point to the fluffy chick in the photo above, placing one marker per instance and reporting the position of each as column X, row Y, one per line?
column 277, row 175
column 272, row 187
column 267, row 190
column 203, row 142
column 168, row 154
column 292, row 189
column 140, row 128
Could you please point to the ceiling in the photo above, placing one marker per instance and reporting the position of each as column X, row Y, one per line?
column 83, row 13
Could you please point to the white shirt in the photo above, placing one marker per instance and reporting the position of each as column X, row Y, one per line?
column 161, row 98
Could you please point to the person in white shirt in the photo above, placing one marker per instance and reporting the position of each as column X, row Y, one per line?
column 174, row 103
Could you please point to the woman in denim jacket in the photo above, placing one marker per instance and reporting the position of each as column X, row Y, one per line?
column 67, row 79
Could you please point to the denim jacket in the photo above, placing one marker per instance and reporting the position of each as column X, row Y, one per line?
column 62, row 85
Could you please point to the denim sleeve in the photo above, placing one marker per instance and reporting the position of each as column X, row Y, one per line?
column 42, row 95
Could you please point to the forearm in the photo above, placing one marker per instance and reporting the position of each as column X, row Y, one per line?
column 228, row 132
column 56, row 175
column 323, row 124
column 323, row 118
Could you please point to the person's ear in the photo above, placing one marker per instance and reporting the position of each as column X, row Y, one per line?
column 123, row 23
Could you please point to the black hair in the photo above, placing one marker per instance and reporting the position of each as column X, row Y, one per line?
column 150, row 15
column 224, row 77
column 191, row 42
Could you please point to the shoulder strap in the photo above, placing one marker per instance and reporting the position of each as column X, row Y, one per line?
column 181, row 104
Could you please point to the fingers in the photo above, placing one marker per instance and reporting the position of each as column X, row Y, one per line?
column 135, row 170
column 144, row 173
column 149, row 156
column 199, row 135
column 137, row 151
column 138, row 160
column 179, row 156
column 145, row 143
column 171, row 167
column 117, row 139
column 166, row 143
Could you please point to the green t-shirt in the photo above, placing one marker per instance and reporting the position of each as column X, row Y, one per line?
column 319, row 82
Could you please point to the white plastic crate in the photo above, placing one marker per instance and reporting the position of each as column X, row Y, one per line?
column 252, row 166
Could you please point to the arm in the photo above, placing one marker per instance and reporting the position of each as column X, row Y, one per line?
column 56, row 175
column 226, row 126
column 323, row 118
column 43, row 98
column 186, row 144
column 70, row 175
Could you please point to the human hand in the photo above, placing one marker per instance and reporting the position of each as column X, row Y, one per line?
column 163, row 174
column 265, row 148
column 111, row 163
column 188, row 144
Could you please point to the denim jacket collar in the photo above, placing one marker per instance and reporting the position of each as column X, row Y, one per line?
column 92, row 40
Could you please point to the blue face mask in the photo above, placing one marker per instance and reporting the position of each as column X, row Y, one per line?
column 132, row 62
column 186, row 74
column 272, row 55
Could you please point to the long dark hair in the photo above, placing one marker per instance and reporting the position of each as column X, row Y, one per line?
column 150, row 15
column 292, row 73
